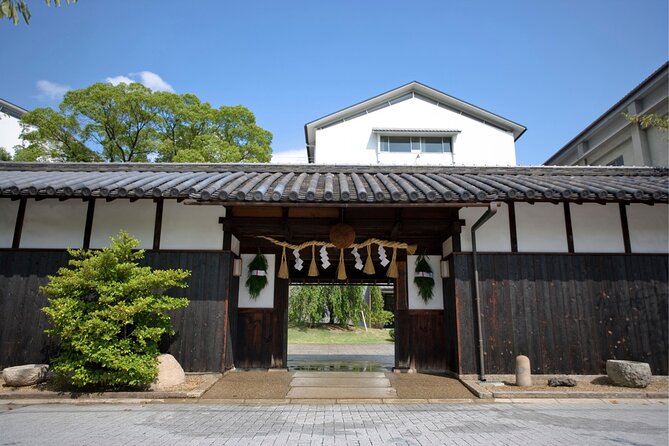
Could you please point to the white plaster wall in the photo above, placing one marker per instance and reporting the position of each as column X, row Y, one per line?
column 447, row 247
column 10, row 131
column 266, row 297
column 54, row 224
column 415, row 301
column 649, row 228
column 493, row 236
column 596, row 228
column 234, row 245
column 137, row 218
column 191, row 227
column 8, row 212
column 353, row 142
column 540, row 227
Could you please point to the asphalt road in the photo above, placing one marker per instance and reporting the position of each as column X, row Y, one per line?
column 579, row 422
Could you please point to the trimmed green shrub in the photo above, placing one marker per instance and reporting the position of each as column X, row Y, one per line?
column 109, row 314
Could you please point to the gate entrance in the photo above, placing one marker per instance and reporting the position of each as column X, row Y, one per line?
column 383, row 250
column 341, row 328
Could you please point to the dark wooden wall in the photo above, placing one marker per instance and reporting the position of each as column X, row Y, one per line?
column 567, row 313
column 200, row 328
column 420, row 335
column 262, row 333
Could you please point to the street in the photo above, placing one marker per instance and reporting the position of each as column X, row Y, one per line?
column 542, row 422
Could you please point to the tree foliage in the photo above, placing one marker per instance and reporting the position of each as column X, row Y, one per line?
column 378, row 316
column 310, row 305
column 5, row 155
column 132, row 123
column 109, row 314
column 649, row 120
column 14, row 9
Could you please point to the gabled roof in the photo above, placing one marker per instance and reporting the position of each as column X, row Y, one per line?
column 425, row 92
column 339, row 186
column 12, row 110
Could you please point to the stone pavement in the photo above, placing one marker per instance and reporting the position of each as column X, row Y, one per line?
column 340, row 385
column 548, row 422
column 339, row 357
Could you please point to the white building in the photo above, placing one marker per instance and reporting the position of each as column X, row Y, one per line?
column 413, row 125
column 10, row 127
column 614, row 141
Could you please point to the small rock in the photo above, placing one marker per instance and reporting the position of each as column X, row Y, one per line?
column 561, row 381
column 170, row 373
column 24, row 375
column 628, row 373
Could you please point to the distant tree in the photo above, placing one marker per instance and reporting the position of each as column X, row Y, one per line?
column 11, row 9
column 131, row 123
column 5, row 155
column 308, row 305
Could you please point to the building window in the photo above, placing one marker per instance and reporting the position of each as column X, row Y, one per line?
column 416, row 144
column 617, row 162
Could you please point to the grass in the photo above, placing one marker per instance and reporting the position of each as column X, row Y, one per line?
column 333, row 334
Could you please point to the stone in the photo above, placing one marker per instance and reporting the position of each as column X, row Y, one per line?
column 628, row 373
column 170, row 373
column 561, row 381
column 24, row 375
column 523, row 371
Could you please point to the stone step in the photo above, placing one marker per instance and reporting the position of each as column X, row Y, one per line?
column 299, row 374
column 341, row 393
column 340, row 382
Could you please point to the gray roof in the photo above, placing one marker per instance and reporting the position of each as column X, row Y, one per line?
column 12, row 110
column 335, row 185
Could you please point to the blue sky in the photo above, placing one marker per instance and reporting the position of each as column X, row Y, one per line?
column 553, row 66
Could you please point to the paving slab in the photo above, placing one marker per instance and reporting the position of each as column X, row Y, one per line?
column 341, row 393
column 338, row 374
column 340, row 382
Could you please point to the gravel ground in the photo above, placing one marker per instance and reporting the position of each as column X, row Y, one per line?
column 428, row 386
column 250, row 385
column 583, row 384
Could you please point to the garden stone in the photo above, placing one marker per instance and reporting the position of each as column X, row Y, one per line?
column 523, row 371
column 628, row 373
column 561, row 381
column 170, row 373
column 24, row 375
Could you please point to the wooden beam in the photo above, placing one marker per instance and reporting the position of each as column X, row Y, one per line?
column 158, row 224
column 513, row 232
column 18, row 227
column 90, row 211
column 567, row 224
column 625, row 227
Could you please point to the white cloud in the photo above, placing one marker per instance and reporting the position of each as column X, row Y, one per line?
column 146, row 78
column 50, row 91
column 294, row 156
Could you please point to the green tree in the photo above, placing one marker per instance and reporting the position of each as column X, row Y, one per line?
column 131, row 123
column 109, row 314
column 5, row 155
column 378, row 317
column 309, row 305
column 12, row 8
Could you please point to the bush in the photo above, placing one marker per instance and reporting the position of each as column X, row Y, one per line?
column 378, row 317
column 108, row 314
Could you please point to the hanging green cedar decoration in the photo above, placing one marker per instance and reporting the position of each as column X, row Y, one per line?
column 257, row 275
column 424, row 278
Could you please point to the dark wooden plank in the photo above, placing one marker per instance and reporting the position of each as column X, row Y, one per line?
column 625, row 227
column 513, row 232
column 18, row 226
column 88, row 228
column 158, row 223
column 568, row 227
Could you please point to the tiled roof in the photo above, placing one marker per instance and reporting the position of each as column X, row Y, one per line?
column 338, row 185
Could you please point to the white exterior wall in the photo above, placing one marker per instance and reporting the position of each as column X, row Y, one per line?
column 266, row 297
column 191, row 227
column 649, row 228
column 353, row 142
column 415, row 301
column 10, row 131
column 138, row 219
column 493, row 236
column 597, row 228
column 54, row 224
column 8, row 211
column 541, row 227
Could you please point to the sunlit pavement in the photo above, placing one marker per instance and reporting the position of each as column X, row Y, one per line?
column 554, row 422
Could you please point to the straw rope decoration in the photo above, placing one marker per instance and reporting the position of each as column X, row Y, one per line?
column 341, row 271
